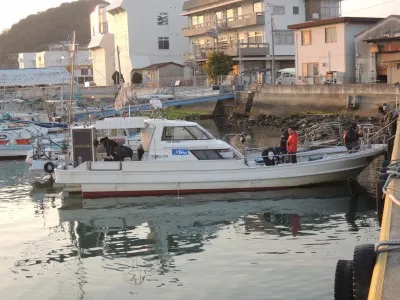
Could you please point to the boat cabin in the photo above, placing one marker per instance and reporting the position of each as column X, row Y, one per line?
column 152, row 140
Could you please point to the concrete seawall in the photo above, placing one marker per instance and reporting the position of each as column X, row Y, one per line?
column 292, row 99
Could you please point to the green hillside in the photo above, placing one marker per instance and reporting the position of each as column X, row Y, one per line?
column 36, row 32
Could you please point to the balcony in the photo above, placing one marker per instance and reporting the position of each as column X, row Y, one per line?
column 225, row 25
column 191, row 4
column 199, row 5
column 250, row 49
column 246, row 20
column 246, row 50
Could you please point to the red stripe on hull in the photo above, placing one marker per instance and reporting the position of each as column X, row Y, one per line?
column 93, row 195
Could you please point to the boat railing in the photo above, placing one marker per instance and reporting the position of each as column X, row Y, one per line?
column 274, row 158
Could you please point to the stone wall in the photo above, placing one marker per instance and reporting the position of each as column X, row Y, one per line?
column 293, row 99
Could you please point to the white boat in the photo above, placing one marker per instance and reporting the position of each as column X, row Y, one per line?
column 182, row 157
column 16, row 139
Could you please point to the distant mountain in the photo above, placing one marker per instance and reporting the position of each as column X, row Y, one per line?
column 36, row 32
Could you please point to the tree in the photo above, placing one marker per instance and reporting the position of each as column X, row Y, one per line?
column 137, row 78
column 115, row 77
column 218, row 63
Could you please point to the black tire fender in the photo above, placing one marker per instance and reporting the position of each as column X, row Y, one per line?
column 385, row 163
column 383, row 176
column 343, row 289
column 49, row 167
column 380, row 199
column 363, row 267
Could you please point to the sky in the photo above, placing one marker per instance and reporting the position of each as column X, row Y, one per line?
column 19, row 9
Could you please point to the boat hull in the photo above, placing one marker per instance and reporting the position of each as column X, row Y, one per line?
column 131, row 179
column 14, row 151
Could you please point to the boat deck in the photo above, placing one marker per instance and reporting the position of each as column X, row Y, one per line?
column 385, row 282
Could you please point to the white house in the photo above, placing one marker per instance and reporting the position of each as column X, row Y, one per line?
column 144, row 33
column 27, row 60
column 327, row 46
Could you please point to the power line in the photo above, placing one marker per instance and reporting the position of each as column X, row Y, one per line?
column 370, row 6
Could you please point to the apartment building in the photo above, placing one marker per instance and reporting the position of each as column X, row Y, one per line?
column 141, row 32
column 102, row 47
column 253, row 32
column 83, row 64
column 27, row 60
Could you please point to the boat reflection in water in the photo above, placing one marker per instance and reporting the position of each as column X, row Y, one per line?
column 162, row 227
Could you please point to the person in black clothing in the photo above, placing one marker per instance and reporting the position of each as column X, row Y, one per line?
column 284, row 138
column 282, row 146
column 352, row 138
column 109, row 145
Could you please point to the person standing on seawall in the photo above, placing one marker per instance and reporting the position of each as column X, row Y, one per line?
column 291, row 145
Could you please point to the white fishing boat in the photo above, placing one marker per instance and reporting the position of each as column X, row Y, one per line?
column 180, row 157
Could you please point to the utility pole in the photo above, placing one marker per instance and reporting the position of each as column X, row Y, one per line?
column 273, row 49
column 194, row 65
column 216, row 32
column 119, row 68
column 72, row 79
column 240, row 61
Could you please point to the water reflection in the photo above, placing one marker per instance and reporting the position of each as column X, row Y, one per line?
column 160, row 230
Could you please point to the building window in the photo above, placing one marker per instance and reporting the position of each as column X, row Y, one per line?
column 296, row 10
column 239, row 12
column 255, row 38
column 283, row 37
column 306, row 37
column 278, row 9
column 163, row 43
column 162, row 18
column 219, row 15
column 315, row 16
column 257, row 7
column 198, row 21
column 230, row 14
column 330, row 35
column 84, row 72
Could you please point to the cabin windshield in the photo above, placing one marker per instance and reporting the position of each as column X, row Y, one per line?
column 132, row 131
column 182, row 133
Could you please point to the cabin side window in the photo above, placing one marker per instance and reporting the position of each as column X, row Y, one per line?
column 180, row 133
column 206, row 154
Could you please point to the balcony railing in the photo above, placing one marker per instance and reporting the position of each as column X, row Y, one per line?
column 246, row 49
column 225, row 24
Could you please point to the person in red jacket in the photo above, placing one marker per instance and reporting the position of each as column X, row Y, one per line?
column 291, row 145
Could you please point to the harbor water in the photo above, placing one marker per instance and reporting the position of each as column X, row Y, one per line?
column 264, row 245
